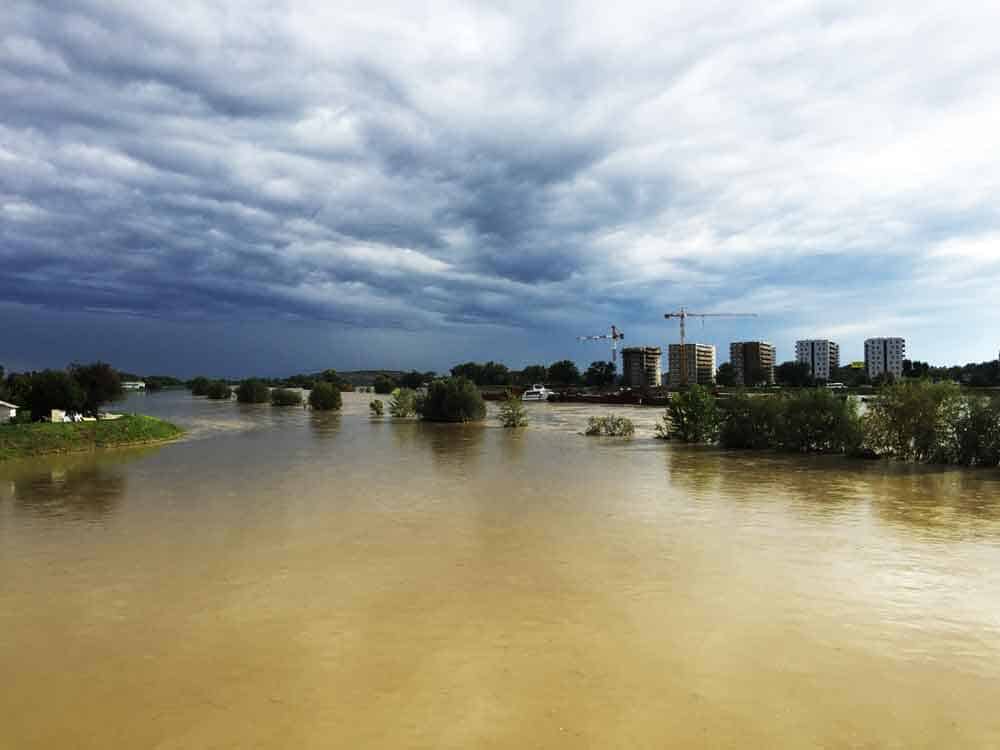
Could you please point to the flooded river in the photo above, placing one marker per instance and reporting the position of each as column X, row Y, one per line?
column 282, row 579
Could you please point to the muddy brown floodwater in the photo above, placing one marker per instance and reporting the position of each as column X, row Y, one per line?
column 282, row 579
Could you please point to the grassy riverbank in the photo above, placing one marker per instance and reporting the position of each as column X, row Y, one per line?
column 20, row 440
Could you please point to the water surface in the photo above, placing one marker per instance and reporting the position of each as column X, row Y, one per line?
column 287, row 579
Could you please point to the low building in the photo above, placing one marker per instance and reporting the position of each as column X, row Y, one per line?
column 691, row 364
column 753, row 362
column 822, row 356
column 7, row 411
column 641, row 366
column 884, row 356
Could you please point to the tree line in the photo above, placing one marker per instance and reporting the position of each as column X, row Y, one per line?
column 913, row 420
column 78, row 389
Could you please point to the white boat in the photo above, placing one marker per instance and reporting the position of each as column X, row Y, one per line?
column 537, row 392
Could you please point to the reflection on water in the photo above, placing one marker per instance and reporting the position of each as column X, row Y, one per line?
column 283, row 578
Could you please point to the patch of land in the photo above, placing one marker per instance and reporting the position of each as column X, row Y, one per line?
column 39, row 438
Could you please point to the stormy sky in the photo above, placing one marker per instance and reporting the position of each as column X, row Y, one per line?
column 272, row 187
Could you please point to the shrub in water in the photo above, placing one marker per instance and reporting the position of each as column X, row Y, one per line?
column 199, row 386
column 452, row 400
column 973, row 438
column 749, row 422
column 253, row 391
column 325, row 397
column 376, row 407
column 219, row 390
column 610, row 426
column 403, row 403
column 691, row 417
column 816, row 420
column 384, row 384
column 285, row 397
column 911, row 420
column 512, row 413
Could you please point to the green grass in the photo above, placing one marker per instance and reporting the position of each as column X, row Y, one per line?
column 20, row 440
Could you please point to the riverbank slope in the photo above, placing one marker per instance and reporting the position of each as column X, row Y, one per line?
column 21, row 440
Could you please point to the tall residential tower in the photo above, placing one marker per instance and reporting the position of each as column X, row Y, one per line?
column 641, row 366
column 822, row 356
column 753, row 362
column 884, row 356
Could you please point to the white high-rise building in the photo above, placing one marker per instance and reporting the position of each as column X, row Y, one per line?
column 884, row 355
column 822, row 356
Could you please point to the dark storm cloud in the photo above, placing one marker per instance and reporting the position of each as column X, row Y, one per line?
column 456, row 168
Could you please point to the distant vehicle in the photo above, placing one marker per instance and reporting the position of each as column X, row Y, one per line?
column 836, row 386
column 537, row 392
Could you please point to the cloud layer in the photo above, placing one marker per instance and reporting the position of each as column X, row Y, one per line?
column 473, row 180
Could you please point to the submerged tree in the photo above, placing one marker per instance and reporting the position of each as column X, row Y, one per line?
column 512, row 412
column 692, row 416
column 403, row 403
column 452, row 400
column 325, row 396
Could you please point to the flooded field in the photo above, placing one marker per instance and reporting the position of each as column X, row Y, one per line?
column 284, row 579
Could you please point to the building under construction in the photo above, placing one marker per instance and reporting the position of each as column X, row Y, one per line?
column 691, row 364
column 753, row 362
column 641, row 366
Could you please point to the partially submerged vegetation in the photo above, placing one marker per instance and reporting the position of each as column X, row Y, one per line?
column 219, row 390
column 39, row 438
column 376, row 407
column 915, row 420
column 325, row 397
column 512, row 412
column 253, row 391
column 610, row 426
column 452, row 400
column 403, row 403
column 286, row 397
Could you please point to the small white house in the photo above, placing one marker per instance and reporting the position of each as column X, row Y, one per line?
column 7, row 411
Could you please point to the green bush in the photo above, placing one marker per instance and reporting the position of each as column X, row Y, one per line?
column 816, row 420
column 974, row 434
column 253, row 391
column 219, row 389
column 692, row 416
column 199, row 386
column 750, row 423
column 384, row 385
column 325, row 397
column 912, row 420
column 512, row 412
column 452, row 400
column 403, row 403
column 610, row 426
column 285, row 397
column 376, row 407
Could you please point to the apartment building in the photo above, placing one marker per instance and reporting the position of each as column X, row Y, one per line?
column 641, row 366
column 691, row 364
column 884, row 356
column 753, row 362
column 822, row 356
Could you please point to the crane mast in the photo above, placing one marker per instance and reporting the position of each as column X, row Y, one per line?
column 682, row 315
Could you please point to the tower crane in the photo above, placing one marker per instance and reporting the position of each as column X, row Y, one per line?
column 615, row 336
column 682, row 315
